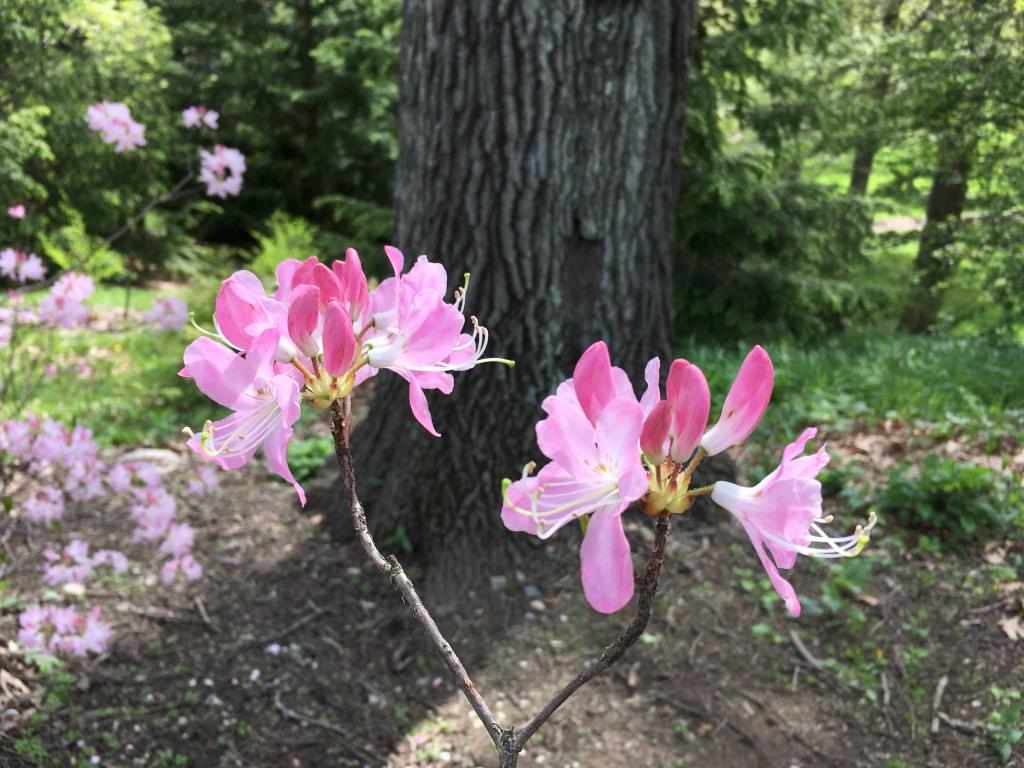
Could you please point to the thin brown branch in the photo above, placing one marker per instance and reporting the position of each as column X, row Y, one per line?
column 508, row 743
column 611, row 654
column 390, row 567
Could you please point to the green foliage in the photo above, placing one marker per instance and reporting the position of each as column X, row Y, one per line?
column 305, row 457
column 71, row 247
column 950, row 386
column 306, row 90
column 357, row 224
column 133, row 396
column 751, row 235
column 954, row 503
column 1005, row 726
column 286, row 237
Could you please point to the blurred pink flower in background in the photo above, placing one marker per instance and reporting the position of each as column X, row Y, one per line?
column 16, row 211
column 63, row 304
column 221, row 171
column 169, row 313
column 199, row 116
column 113, row 120
column 21, row 267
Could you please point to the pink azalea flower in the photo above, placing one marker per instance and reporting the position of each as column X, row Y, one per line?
column 416, row 334
column 91, row 635
column 221, row 171
column 591, row 436
column 44, row 506
column 16, row 211
column 114, row 121
column 782, row 516
column 744, row 405
column 72, row 565
column 243, row 312
column 117, row 562
column 333, row 334
column 21, row 267
column 62, row 306
column 185, row 565
column 199, row 116
column 178, row 541
column 119, row 478
column 35, row 628
column 265, row 404
column 152, row 522
column 169, row 313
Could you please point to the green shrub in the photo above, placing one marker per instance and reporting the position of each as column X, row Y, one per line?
column 305, row 457
column 955, row 503
column 286, row 237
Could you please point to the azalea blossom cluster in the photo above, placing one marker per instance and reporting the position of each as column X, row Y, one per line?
column 21, row 267
column 168, row 313
column 609, row 449
column 16, row 211
column 63, row 305
column 46, row 466
column 221, row 171
column 199, row 116
column 74, row 564
column 113, row 121
column 63, row 629
column 316, row 337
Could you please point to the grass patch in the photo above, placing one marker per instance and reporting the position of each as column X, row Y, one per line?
column 132, row 394
column 952, row 386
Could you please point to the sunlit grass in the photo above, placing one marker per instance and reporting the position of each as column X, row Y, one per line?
column 953, row 386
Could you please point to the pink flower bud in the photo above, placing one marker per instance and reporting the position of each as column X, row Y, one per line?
column 592, row 380
column 303, row 318
column 328, row 283
column 745, row 404
column 655, row 432
column 339, row 340
column 688, row 394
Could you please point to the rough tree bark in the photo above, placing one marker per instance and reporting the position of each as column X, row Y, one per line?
column 538, row 146
column 871, row 140
column 932, row 265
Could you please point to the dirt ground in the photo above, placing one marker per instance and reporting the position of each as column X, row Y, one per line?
column 292, row 651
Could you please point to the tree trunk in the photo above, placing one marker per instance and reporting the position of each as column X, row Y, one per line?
column 538, row 146
column 863, row 160
column 871, row 141
column 932, row 264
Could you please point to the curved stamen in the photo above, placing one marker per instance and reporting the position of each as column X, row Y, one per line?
column 833, row 547
column 250, row 429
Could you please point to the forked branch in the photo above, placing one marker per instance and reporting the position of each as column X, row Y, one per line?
column 506, row 740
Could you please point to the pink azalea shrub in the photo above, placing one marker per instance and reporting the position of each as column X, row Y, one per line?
column 113, row 121
column 316, row 337
column 168, row 313
column 608, row 449
column 66, row 466
column 221, row 171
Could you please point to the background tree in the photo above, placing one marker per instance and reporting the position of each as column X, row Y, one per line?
column 538, row 147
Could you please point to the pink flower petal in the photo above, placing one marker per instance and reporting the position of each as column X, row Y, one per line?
column 606, row 566
column 655, row 432
column 745, row 404
column 339, row 340
column 687, row 392
column 592, row 379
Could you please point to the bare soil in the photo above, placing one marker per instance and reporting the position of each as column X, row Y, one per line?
column 291, row 651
